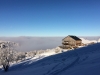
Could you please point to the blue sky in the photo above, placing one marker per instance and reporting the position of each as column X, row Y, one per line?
column 49, row 17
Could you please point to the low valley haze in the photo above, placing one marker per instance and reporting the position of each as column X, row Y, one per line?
column 39, row 43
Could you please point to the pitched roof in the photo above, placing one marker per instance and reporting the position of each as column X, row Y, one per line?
column 74, row 37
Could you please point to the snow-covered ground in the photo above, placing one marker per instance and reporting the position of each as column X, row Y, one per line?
column 82, row 61
column 99, row 40
column 85, row 41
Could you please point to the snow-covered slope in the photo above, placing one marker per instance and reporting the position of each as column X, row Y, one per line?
column 85, row 41
column 82, row 61
column 99, row 40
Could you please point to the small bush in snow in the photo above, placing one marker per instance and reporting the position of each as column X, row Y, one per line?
column 6, row 56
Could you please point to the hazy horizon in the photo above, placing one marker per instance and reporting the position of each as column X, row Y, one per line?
column 38, row 43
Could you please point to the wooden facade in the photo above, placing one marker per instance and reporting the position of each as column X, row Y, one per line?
column 71, row 42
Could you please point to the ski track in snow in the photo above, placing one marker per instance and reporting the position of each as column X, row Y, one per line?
column 59, row 71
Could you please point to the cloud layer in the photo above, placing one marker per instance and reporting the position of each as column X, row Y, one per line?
column 34, row 43
column 38, row 43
